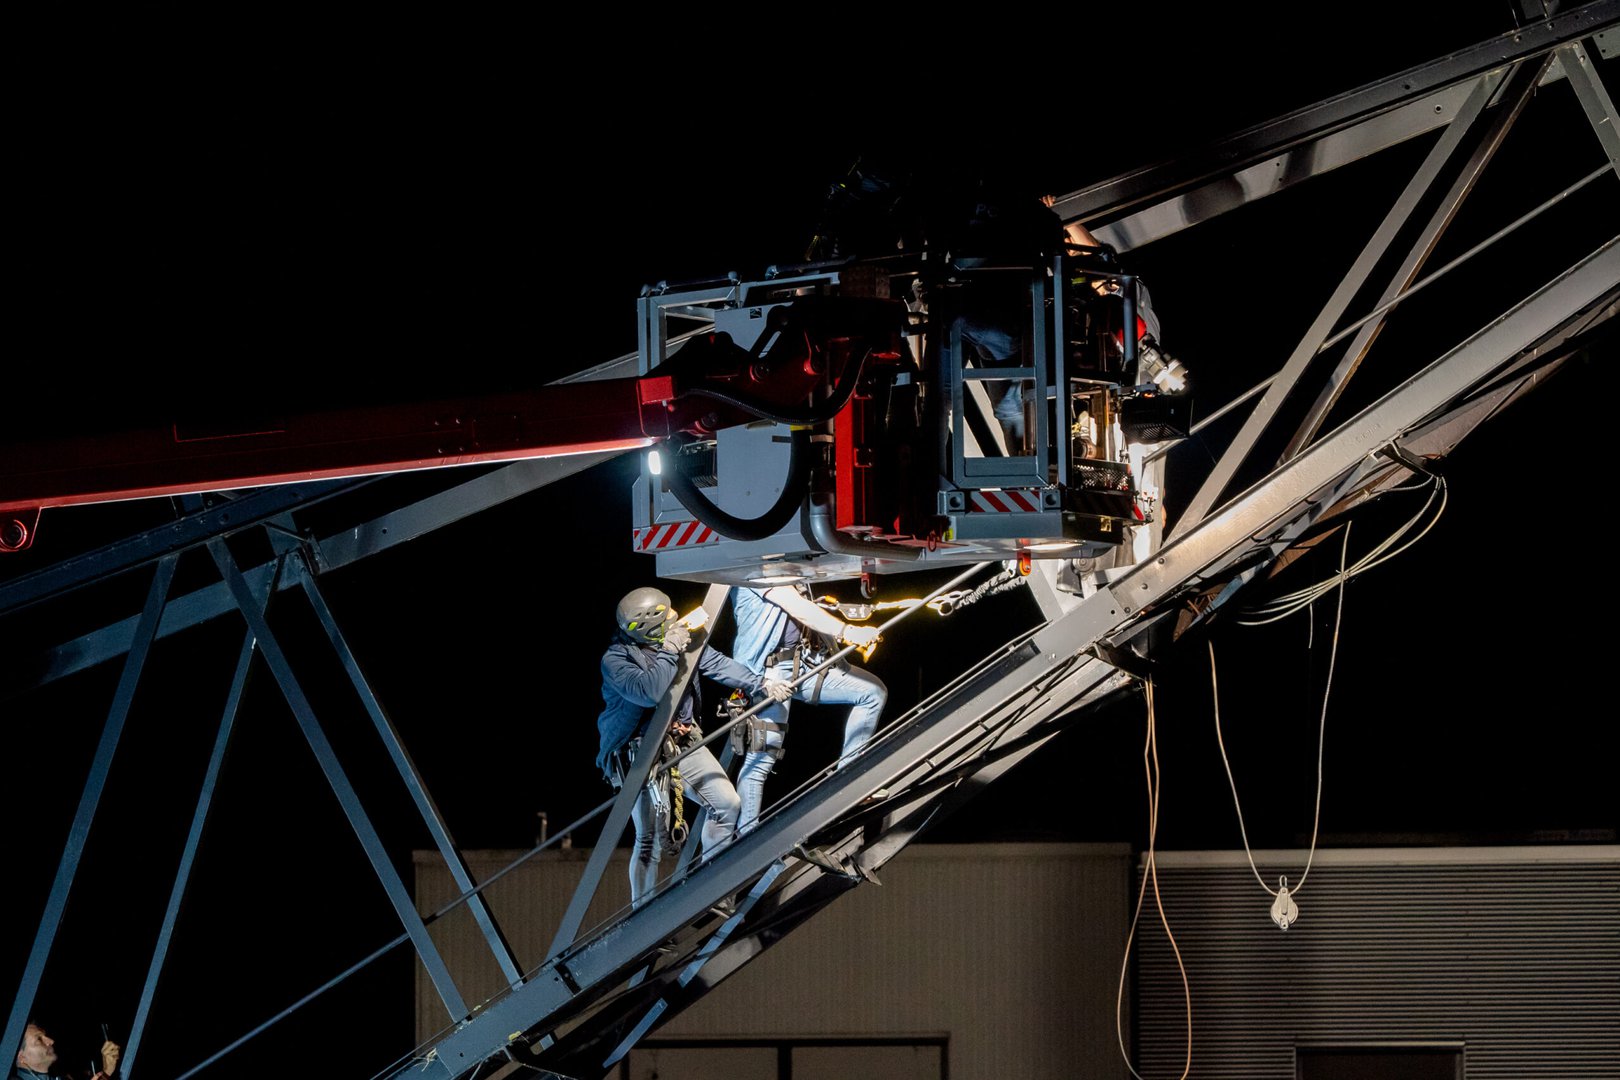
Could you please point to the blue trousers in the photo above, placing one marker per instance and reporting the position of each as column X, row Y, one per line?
column 852, row 686
column 993, row 339
column 704, row 782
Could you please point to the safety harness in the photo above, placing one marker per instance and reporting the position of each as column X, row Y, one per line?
column 751, row 736
column 807, row 652
column 664, row 788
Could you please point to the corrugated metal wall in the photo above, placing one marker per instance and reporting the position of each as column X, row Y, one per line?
column 1513, row 952
column 1012, row 950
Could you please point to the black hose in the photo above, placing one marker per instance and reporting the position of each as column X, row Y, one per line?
column 767, row 524
column 825, row 530
column 790, row 319
column 858, row 320
column 842, row 391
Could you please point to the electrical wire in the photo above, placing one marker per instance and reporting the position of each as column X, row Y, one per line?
column 1413, row 288
column 1321, row 740
column 1523, row 219
column 1214, row 687
column 1150, row 869
column 1321, row 733
column 1289, row 603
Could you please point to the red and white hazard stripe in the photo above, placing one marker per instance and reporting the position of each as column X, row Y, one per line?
column 674, row 534
column 1005, row 501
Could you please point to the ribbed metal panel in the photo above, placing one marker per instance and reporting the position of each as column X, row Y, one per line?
column 1010, row 950
column 1518, row 960
column 528, row 904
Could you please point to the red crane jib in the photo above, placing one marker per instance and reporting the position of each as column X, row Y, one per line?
column 710, row 383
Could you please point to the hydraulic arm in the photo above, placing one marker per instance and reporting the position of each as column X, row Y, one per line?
column 799, row 375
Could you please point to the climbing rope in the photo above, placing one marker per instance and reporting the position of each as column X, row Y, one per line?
column 678, row 828
column 945, row 604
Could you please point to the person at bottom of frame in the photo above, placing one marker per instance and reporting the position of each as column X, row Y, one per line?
column 781, row 633
column 37, row 1055
column 637, row 670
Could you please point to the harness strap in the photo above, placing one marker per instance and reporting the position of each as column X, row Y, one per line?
column 815, row 691
column 750, row 737
column 800, row 654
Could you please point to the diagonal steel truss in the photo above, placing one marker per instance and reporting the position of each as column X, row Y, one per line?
column 595, row 995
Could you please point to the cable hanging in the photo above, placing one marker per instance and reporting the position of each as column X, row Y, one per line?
column 1288, row 604
column 1150, row 870
column 1284, row 911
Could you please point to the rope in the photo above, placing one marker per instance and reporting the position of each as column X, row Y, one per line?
column 1150, row 764
column 1006, row 581
column 1288, row 604
column 1321, row 739
column 677, row 807
column 677, row 803
column 942, row 603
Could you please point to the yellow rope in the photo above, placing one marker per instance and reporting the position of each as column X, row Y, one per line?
column 677, row 800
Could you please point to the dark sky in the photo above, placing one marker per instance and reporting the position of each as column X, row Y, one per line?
column 272, row 227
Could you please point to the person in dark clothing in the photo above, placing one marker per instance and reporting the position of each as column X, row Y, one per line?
column 37, row 1055
column 967, row 221
column 638, row 669
column 882, row 206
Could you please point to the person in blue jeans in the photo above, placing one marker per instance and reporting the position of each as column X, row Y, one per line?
column 781, row 633
column 638, row 669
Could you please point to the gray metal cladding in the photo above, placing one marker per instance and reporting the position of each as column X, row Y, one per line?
column 1513, row 954
column 1011, row 951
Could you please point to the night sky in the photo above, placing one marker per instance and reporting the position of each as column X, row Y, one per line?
column 262, row 228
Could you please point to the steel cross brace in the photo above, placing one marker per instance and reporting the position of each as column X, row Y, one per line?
column 408, row 773
column 1283, row 384
column 251, row 609
column 1594, row 99
column 1153, row 201
column 1586, row 284
column 199, row 817
column 194, row 529
column 1516, row 93
column 713, row 945
column 56, row 903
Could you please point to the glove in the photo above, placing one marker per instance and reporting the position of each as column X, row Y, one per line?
column 777, row 690
column 859, row 636
column 676, row 638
